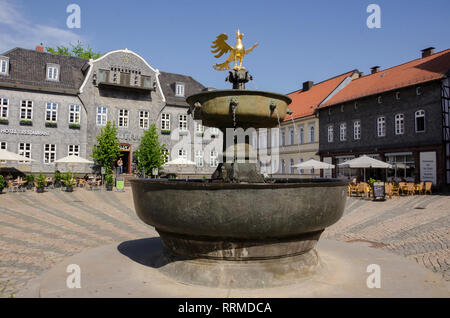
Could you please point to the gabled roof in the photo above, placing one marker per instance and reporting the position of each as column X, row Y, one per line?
column 168, row 81
column 304, row 103
column 28, row 69
column 420, row 70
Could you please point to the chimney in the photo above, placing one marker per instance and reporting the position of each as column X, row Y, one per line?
column 374, row 69
column 428, row 51
column 307, row 86
column 39, row 48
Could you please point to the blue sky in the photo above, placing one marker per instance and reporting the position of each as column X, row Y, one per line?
column 299, row 40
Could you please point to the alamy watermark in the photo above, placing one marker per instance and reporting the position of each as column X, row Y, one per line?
column 74, row 279
column 74, row 19
column 374, row 279
column 374, row 19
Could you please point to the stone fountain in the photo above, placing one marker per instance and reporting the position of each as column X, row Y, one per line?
column 237, row 234
column 238, row 229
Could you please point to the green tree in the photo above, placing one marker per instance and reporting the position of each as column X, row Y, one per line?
column 150, row 153
column 77, row 51
column 107, row 151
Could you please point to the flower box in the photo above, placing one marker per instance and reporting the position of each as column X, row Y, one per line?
column 51, row 124
column 183, row 132
column 74, row 126
column 26, row 122
column 165, row 131
column 4, row 121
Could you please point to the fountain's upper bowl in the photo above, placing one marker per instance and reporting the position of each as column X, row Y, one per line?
column 239, row 108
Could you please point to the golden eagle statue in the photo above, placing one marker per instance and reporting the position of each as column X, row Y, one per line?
column 236, row 53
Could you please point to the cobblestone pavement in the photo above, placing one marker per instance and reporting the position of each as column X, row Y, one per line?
column 40, row 230
column 417, row 227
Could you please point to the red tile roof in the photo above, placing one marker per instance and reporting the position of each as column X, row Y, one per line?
column 414, row 72
column 305, row 102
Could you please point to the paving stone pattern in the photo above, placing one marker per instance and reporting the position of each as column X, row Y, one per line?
column 40, row 230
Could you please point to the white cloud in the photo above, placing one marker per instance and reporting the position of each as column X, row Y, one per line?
column 17, row 30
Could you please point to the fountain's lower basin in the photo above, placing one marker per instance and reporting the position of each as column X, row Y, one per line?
column 239, row 221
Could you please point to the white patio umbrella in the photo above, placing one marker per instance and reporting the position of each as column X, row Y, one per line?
column 73, row 160
column 180, row 162
column 11, row 156
column 313, row 164
column 365, row 162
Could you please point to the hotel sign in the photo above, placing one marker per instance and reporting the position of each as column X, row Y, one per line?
column 428, row 166
column 24, row 132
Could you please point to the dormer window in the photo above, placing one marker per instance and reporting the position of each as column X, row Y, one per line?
column 53, row 72
column 179, row 89
column 4, row 65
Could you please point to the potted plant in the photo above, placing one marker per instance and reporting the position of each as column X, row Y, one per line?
column 58, row 177
column 30, row 181
column 40, row 183
column 2, row 183
column 68, row 181
column 109, row 182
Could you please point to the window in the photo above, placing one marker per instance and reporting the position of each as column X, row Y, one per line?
column 52, row 72
column 199, row 158
column 399, row 124
column 397, row 95
column 199, row 127
column 420, row 120
column 311, row 134
column 182, row 122
column 165, row 121
column 419, row 91
column 283, row 138
column 25, row 149
column 404, row 166
column 4, row 108
column 26, row 110
column 381, row 126
column 182, row 153
column 379, row 100
column 283, row 166
column 74, row 114
column 291, row 136
column 179, row 89
column 101, row 116
column 357, row 130
column 166, row 155
column 301, row 171
column 123, row 118
column 4, row 146
column 330, row 133
column 4, row 66
column 291, row 166
column 144, row 119
column 49, row 153
column 301, row 135
column 73, row 150
column 213, row 159
column 343, row 132
column 51, row 112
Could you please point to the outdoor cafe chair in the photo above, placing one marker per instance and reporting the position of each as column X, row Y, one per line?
column 419, row 188
column 410, row 188
column 388, row 189
column 395, row 189
column 428, row 185
column 12, row 187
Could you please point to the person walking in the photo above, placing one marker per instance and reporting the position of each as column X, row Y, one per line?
column 120, row 165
